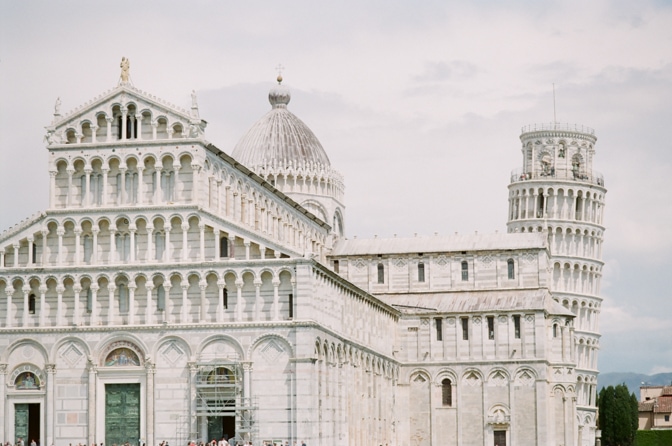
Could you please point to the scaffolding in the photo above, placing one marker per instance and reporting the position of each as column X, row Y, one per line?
column 219, row 393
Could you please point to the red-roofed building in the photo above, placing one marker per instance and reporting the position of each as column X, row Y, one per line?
column 655, row 407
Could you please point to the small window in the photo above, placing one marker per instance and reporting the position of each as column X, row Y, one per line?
column 439, row 328
column 31, row 304
column 511, row 269
column 465, row 270
column 381, row 273
column 89, row 300
column 160, row 298
column 421, row 272
column 555, row 330
column 34, row 253
column 516, row 326
column 123, row 299
column 291, row 306
column 88, row 248
column 225, row 298
column 160, row 242
column 446, row 393
column 224, row 247
column 336, row 266
column 465, row 328
column 491, row 327
column 667, row 418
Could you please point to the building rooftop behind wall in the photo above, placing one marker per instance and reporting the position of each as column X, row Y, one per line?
column 440, row 243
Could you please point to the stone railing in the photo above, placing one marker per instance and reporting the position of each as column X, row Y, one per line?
column 564, row 127
column 592, row 177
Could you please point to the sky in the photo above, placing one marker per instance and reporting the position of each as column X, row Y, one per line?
column 418, row 104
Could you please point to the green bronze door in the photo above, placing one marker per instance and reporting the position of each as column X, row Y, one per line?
column 122, row 414
column 21, row 422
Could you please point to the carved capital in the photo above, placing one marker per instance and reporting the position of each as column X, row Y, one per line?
column 50, row 368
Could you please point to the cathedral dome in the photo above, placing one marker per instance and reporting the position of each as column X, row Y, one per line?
column 280, row 138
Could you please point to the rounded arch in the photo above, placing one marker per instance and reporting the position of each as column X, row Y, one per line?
column 208, row 343
column 268, row 337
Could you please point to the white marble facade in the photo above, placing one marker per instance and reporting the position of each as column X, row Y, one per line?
column 222, row 294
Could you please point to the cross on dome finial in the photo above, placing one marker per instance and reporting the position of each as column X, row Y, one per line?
column 279, row 68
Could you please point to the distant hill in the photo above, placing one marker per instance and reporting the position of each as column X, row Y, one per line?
column 633, row 380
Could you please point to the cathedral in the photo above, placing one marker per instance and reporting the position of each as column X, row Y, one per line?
column 175, row 291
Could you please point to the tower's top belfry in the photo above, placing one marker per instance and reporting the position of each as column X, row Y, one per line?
column 558, row 151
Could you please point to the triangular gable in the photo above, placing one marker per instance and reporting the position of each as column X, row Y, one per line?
column 88, row 123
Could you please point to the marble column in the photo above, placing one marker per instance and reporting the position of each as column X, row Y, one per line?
column 149, row 313
column 93, row 319
column 258, row 304
column 184, row 311
column 201, row 228
column 77, row 289
column 91, row 390
column 60, row 289
column 150, row 368
column 193, row 371
column 51, row 407
column 276, row 300
column 110, row 309
column 221, row 284
column 185, row 245
column 203, row 304
column 59, row 257
column 239, row 300
column 3, row 401
column 43, row 305
column 131, row 303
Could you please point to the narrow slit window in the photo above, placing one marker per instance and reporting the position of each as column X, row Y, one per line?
column 225, row 298
column 89, row 300
column 465, row 328
column 446, row 392
column 381, row 273
column 438, row 322
column 224, row 247
column 511, row 269
column 491, row 327
column 31, row 304
column 160, row 298
column 123, row 299
column 516, row 326
column 421, row 272
column 336, row 266
column 291, row 306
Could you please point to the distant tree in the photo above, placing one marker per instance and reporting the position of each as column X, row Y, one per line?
column 618, row 415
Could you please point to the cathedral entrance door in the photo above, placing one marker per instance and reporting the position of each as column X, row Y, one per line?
column 221, row 427
column 27, row 422
column 122, row 413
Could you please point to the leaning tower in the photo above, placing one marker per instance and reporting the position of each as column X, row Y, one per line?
column 558, row 191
